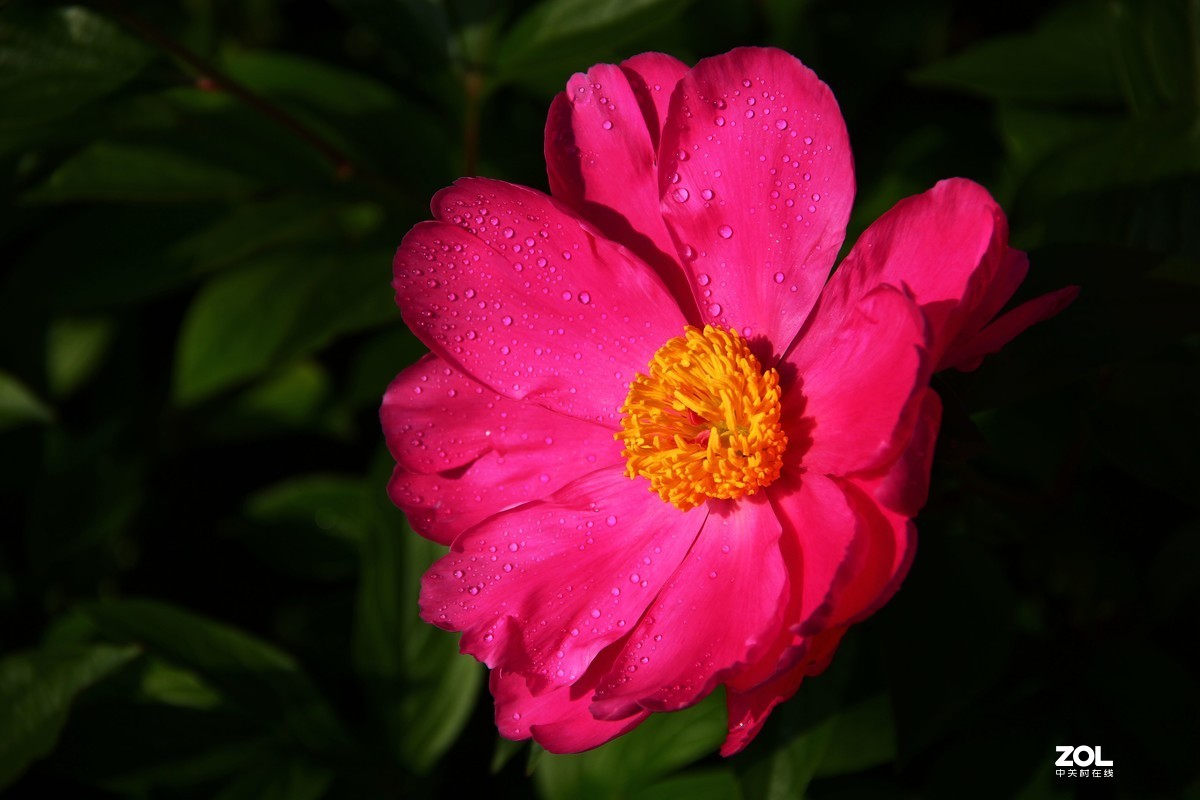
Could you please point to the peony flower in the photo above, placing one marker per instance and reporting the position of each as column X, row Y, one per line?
column 667, row 450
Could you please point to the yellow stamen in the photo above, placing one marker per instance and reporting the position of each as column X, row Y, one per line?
column 705, row 421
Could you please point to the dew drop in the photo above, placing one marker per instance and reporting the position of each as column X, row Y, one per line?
column 725, row 231
column 808, row 140
column 779, row 277
column 612, row 520
column 781, row 124
column 585, row 298
column 681, row 195
column 607, row 124
column 703, row 279
column 715, row 309
column 719, row 122
column 567, row 295
column 707, row 194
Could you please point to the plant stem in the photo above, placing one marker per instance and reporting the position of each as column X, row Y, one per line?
column 208, row 76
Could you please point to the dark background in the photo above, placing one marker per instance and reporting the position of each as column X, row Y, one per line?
column 204, row 591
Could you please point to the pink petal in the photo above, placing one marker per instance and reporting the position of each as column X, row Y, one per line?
column 821, row 534
column 602, row 157
column 966, row 354
column 558, row 719
column 933, row 244
column 542, row 588
column 527, row 299
column 905, row 486
column 720, row 608
column 875, row 564
column 949, row 248
column 855, row 378
column 756, row 181
column 464, row 452
column 748, row 710
column 653, row 76
column 842, row 555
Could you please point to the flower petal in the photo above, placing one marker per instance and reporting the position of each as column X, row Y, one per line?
column 720, row 608
column 527, row 299
column 602, row 158
column 557, row 719
column 542, row 588
column 464, row 452
column 756, row 181
column 966, row 353
column 748, row 710
column 854, row 382
column 653, row 76
column 820, row 534
column 905, row 486
column 949, row 248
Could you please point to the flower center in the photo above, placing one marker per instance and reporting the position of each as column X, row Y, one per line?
column 705, row 421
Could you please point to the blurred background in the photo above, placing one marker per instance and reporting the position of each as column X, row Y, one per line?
column 204, row 591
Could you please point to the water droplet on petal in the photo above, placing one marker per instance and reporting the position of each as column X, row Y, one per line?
column 725, row 231
column 681, row 195
column 612, row 520
column 715, row 309
column 779, row 277
column 781, row 124
column 703, row 279
column 607, row 124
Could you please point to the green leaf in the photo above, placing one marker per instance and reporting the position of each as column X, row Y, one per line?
column 54, row 61
column 1067, row 59
column 564, row 34
column 166, row 683
column 126, row 172
column 280, row 779
column 36, row 693
column 423, row 687
column 76, row 350
column 659, row 746
column 1154, row 46
column 329, row 503
column 278, row 309
column 18, row 405
column 863, row 736
column 309, row 526
column 709, row 784
column 252, row 674
column 289, row 399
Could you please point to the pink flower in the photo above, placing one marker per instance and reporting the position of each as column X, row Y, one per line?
column 666, row 453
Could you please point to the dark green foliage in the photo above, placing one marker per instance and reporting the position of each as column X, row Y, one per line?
column 204, row 590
